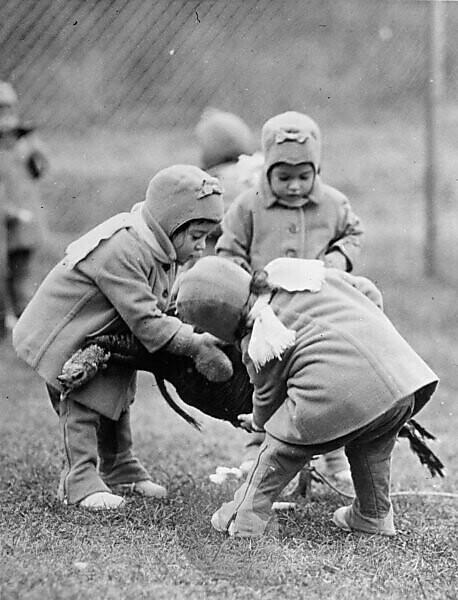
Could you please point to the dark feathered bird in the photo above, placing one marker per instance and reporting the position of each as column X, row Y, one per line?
column 221, row 400
column 416, row 434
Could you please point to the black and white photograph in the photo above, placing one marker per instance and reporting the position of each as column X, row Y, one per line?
column 228, row 299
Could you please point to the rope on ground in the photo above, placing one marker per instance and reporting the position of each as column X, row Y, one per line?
column 314, row 471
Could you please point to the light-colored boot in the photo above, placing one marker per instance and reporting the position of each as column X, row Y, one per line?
column 348, row 519
column 102, row 501
column 146, row 488
column 242, row 524
column 149, row 489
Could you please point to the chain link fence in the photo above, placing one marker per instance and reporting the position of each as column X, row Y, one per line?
column 127, row 67
column 136, row 64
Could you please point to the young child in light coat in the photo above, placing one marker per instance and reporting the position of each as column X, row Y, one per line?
column 117, row 278
column 293, row 213
column 329, row 370
column 23, row 161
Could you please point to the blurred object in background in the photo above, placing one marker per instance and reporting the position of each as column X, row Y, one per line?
column 224, row 138
column 159, row 64
column 120, row 85
column 22, row 162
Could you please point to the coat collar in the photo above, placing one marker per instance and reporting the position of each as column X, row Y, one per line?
column 148, row 230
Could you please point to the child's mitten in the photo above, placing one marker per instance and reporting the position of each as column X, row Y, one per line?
column 210, row 360
column 205, row 350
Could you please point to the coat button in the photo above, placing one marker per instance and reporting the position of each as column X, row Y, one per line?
column 165, row 294
column 293, row 228
column 291, row 253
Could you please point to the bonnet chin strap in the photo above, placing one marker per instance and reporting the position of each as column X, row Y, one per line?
column 269, row 338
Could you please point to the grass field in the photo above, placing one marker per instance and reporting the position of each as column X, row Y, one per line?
column 167, row 549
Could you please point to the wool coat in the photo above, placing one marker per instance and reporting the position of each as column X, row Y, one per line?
column 258, row 229
column 121, row 285
column 349, row 365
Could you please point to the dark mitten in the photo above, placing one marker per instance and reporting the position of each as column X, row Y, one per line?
column 206, row 352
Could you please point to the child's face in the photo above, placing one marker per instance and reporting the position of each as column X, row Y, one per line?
column 190, row 242
column 290, row 182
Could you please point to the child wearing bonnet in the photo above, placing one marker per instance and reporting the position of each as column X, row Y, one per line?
column 117, row 279
column 329, row 370
column 292, row 212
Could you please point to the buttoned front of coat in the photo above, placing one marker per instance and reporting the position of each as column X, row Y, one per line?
column 257, row 229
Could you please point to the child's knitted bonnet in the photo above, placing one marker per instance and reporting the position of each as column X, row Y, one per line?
column 291, row 138
column 212, row 296
column 223, row 137
column 182, row 193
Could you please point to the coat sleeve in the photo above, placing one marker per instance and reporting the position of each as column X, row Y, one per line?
column 124, row 279
column 236, row 237
column 269, row 390
column 348, row 235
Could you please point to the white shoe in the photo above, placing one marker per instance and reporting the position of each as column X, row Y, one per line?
column 146, row 488
column 346, row 518
column 149, row 489
column 218, row 523
column 102, row 501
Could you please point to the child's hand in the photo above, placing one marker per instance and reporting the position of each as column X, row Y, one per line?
column 247, row 423
column 210, row 360
column 205, row 350
column 335, row 260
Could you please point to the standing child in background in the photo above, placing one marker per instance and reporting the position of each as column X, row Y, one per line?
column 22, row 163
column 115, row 279
column 329, row 370
column 291, row 213
column 226, row 145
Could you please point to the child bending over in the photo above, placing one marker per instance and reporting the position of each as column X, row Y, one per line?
column 329, row 370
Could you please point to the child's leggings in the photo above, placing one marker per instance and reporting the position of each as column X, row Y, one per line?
column 335, row 459
column 91, row 439
column 368, row 451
